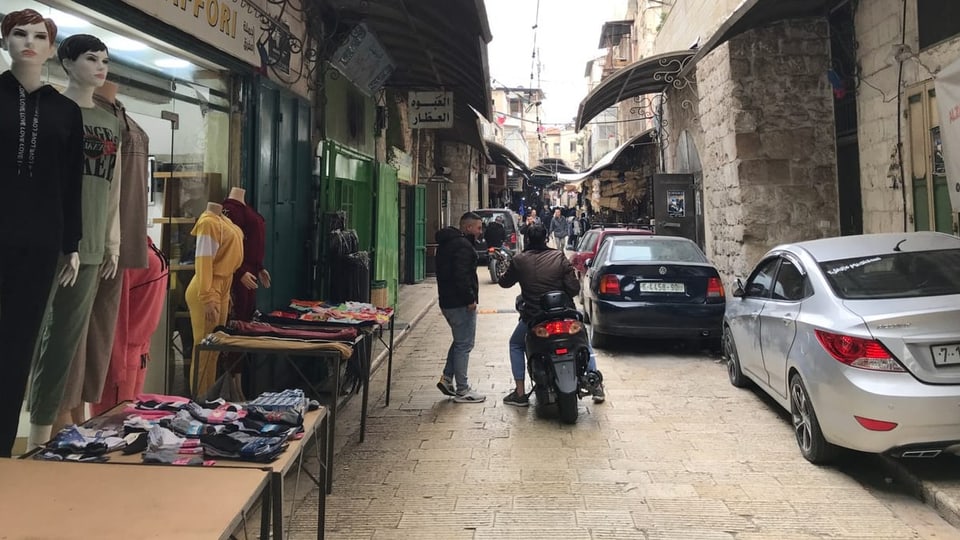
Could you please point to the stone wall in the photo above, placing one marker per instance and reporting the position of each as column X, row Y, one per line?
column 463, row 162
column 766, row 141
column 692, row 21
column 878, row 25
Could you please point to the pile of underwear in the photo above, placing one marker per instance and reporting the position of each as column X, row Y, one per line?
column 177, row 431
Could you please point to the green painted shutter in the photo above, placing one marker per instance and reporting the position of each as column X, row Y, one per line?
column 387, row 241
column 417, row 224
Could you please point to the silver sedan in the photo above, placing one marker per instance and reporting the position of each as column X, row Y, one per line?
column 858, row 337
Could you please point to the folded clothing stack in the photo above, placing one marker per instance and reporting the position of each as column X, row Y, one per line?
column 243, row 446
column 75, row 443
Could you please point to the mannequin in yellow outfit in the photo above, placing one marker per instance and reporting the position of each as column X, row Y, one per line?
column 219, row 255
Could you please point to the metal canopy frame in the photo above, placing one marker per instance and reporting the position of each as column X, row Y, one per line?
column 434, row 44
column 650, row 75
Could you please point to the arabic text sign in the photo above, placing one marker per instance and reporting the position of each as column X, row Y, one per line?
column 430, row 110
column 363, row 61
column 229, row 26
column 948, row 101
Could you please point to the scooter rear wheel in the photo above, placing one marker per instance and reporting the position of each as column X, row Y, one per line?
column 567, row 403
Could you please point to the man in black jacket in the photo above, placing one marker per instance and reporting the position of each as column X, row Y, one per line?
column 458, row 290
column 539, row 270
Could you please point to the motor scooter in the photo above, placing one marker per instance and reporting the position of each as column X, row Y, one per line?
column 499, row 260
column 557, row 350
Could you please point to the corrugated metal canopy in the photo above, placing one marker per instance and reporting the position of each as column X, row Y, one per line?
column 607, row 159
column 434, row 44
column 758, row 13
column 647, row 76
column 501, row 155
column 612, row 31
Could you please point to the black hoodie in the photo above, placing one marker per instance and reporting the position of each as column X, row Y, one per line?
column 457, row 284
column 41, row 167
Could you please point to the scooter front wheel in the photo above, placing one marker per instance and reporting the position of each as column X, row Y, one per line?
column 567, row 404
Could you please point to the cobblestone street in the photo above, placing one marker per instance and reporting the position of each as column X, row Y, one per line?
column 674, row 453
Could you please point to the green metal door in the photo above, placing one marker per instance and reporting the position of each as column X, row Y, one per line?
column 388, row 241
column 282, row 195
column 416, row 254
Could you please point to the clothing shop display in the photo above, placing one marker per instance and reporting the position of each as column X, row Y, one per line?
column 219, row 254
column 253, row 226
column 352, row 313
column 240, row 328
column 88, row 371
column 71, row 307
column 142, row 296
column 41, row 153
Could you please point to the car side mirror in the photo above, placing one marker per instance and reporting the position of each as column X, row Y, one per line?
column 588, row 263
column 738, row 291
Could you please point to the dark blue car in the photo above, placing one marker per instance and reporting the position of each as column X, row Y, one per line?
column 653, row 287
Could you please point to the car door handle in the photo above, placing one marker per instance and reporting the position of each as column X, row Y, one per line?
column 787, row 322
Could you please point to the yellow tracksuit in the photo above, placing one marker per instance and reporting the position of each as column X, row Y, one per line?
column 219, row 255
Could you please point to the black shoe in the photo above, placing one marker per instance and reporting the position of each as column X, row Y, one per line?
column 516, row 400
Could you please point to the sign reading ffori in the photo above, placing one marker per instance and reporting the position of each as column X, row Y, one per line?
column 229, row 25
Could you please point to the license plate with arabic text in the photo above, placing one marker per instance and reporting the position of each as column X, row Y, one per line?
column 661, row 287
column 946, row 355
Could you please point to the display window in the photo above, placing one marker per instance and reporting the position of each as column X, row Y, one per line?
column 182, row 104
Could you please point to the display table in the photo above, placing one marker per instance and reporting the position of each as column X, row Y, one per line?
column 315, row 426
column 42, row 499
column 332, row 355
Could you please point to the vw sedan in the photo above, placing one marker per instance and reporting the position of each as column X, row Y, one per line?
column 858, row 337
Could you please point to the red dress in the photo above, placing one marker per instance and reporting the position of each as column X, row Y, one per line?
column 254, row 243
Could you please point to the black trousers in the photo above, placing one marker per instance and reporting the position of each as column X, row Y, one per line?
column 26, row 277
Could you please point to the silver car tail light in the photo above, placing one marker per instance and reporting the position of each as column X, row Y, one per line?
column 859, row 352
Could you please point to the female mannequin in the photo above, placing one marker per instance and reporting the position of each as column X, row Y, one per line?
column 219, row 254
column 244, row 289
column 88, row 372
column 40, row 206
column 85, row 59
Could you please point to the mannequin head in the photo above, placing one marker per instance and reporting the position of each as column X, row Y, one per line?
column 85, row 59
column 28, row 37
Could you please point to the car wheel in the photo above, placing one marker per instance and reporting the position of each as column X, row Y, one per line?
column 806, row 427
column 737, row 378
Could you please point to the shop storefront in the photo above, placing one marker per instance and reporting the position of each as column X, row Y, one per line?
column 186, row 77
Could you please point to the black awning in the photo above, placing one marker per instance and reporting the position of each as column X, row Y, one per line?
column 434, row 44
column 612, row 31
column 650, row 75
column 501, row 155
column 758, row 13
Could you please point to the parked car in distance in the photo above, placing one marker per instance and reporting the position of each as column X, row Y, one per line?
column 590, row 241
column 654, row 287
column 513, row 241
column 858, row 337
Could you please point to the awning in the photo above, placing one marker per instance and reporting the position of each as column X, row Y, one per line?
column 650, row 75
column 607, row 160
column 501, row 155
column 758, row 13
column 434, row 44
column 612, row 31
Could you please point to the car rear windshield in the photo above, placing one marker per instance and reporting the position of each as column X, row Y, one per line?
column 895, row 275
column 656, row 250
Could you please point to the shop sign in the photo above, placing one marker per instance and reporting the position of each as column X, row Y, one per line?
column 947, row 151
column 226, row 24
column 362, row 60
column 430, row 110
column 403, row 163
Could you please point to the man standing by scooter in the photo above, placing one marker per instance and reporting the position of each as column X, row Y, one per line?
column 539, row 270
column 458, row 289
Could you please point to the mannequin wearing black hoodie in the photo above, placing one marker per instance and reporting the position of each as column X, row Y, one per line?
column 41, row 159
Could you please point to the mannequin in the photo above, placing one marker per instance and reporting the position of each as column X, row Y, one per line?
column 219, row 255
column 85, row 59
column 141, row 304
column 40, row 210
column 251, row 273
column 91, row 363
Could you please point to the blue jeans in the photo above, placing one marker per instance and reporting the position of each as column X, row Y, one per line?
column 518, row 349
column 463, row 323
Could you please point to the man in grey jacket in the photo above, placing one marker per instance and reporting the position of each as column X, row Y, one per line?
column 559, row 229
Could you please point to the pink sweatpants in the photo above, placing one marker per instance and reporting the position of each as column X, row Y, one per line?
column 142, row 296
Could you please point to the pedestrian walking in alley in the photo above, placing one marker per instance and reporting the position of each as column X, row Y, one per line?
column 538, row 270
column 458, row 288
column 559, row 229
